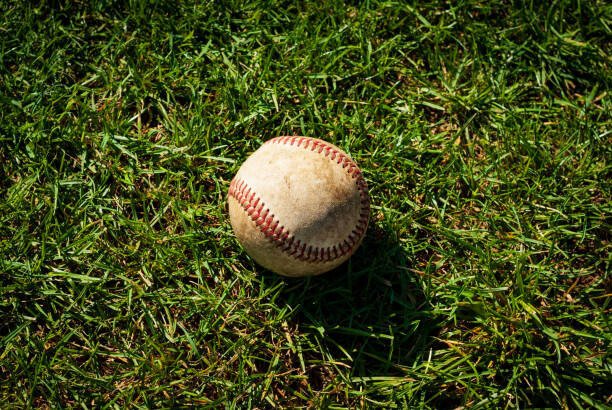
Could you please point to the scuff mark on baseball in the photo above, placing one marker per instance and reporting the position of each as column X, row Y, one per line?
column 299, row 206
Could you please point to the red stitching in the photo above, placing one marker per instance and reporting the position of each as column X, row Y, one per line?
column 253, row 205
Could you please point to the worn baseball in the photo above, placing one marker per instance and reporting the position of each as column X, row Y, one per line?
column 299, row 206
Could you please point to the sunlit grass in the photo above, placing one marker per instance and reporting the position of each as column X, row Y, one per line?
column 483, row 130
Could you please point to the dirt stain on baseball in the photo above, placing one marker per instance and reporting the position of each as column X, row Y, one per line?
column 287, row 180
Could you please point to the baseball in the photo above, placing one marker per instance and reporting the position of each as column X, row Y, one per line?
column 299, row 206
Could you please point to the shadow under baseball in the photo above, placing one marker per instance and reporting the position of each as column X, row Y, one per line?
column 370, row 313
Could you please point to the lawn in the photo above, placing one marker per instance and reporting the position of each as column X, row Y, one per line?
column 482, row 128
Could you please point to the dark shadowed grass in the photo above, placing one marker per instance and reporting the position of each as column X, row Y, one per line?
column 483, row 130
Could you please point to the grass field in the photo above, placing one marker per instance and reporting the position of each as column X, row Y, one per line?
column 483, row 131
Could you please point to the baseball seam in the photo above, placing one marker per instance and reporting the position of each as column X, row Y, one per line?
column 271, row 227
